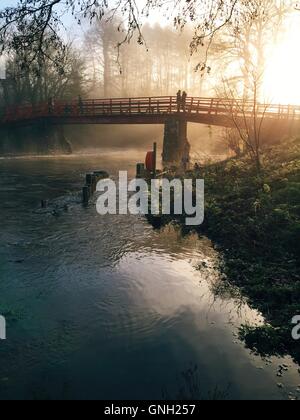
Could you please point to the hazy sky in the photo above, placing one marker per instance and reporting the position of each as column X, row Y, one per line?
column 281, row 80
column 74, row 30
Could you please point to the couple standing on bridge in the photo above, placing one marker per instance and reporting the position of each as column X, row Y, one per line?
column 181, row 101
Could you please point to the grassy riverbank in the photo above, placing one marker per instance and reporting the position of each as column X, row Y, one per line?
column 255, row 222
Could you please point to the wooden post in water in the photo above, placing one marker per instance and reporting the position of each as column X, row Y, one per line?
column 155, row 159
column 140, row 170
column 44, row 204
column 86, row 194
column 89, row 179
column 94, row 183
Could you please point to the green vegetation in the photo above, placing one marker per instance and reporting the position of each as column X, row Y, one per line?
column 255, row 222
column 190, row 385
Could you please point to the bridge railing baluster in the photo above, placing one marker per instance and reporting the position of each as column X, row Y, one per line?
column 212, row 105
column 217, row 106
column 191, row 106
column 153, row 105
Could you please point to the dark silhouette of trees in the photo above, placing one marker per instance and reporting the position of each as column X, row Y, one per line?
column 242, row 58
column 33, row 80
column 162, row 69
column 43, row 17
column 246, row 46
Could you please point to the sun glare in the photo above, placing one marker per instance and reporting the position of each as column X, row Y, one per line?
column 282, row 76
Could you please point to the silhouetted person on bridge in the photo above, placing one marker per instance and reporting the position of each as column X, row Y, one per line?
column 68, row 109
column 80, row 104
column 50, row 106
column 179, row 101
column 184, row 98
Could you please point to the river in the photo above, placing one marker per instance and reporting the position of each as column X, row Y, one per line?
column 108, row 308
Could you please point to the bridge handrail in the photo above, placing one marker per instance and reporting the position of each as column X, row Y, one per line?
column 154, row 105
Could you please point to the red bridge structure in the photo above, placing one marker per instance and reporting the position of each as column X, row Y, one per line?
column 165, row 110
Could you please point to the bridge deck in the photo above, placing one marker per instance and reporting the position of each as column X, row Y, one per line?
column 149, row 110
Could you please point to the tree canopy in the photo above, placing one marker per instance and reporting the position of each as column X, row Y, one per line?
column 26, row 24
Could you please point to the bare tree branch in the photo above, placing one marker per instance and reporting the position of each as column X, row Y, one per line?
column 45, row 16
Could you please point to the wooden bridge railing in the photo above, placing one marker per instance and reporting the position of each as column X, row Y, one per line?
column 162, row 105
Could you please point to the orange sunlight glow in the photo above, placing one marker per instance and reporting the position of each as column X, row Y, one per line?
column 282, row 76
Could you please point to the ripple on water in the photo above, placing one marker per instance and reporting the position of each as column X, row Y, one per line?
column 112, row 301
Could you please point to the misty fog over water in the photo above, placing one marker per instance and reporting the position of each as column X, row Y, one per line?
column 205, row 141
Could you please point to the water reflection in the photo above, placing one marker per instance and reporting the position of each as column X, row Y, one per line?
column 109, row 308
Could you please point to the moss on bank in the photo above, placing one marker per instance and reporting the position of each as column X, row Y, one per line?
column 255, row 221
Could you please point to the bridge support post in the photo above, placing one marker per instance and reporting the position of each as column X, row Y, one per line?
column 176, row 148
